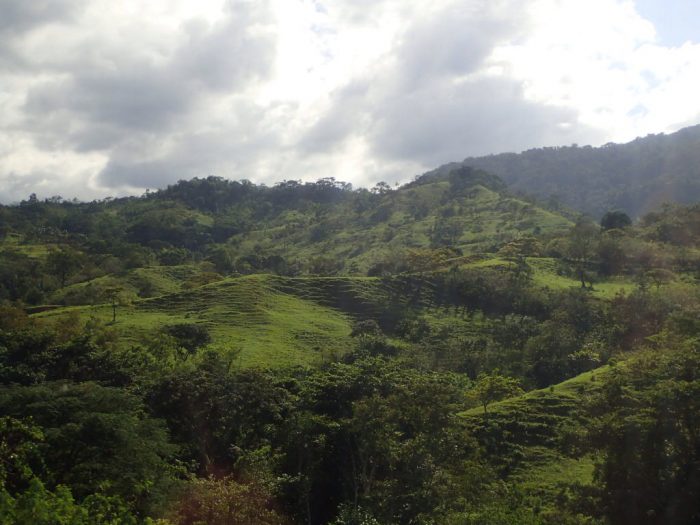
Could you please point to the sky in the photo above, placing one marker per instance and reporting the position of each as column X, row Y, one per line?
column 101, row 98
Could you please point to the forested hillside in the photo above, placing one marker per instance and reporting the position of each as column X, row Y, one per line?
column 635, row 177
column 442, row 353
column 293, row 228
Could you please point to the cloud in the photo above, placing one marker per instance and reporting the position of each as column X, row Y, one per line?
column 19, row 17
column 104, row 100
column 457, row 119
column 108, row 97
column 437, row 98
column 226, row 149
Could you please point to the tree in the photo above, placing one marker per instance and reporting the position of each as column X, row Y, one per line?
column 494, row 387
column 420, row 260
column 581, row 248
column 225, row 502
column 615, row 220
column 659, row 276
column 381, row 188
column 516, row 252
column 612, row 253
column 650, row 433
column 222, row 258
column 446, row 231
column 366, row 328
column 96, row 436
column 324, row 266
column 63, row 263
column 20, row 443
column 40, row 506
column 190, row 337
column 117, row 296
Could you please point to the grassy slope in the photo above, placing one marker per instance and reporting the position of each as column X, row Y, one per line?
column 15, row 243
column 544, row 274
column 161, row 280
column 487, row 219
column 279, row 321
column 532, row 428
column 267, row 326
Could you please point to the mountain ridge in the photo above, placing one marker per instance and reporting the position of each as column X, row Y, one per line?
column 635, row 177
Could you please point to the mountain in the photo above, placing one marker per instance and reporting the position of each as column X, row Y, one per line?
column 635, row 177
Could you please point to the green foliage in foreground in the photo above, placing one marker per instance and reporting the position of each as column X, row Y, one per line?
column 649, row 430
column 39, row 506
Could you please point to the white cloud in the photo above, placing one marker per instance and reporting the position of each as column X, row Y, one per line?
column 108, row 97
column 602, row 58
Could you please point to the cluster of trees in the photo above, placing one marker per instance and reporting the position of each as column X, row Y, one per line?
column 238, row 227
column 95, row 432
column 89, row 430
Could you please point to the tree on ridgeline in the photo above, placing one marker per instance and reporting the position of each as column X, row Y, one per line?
column 494, row 387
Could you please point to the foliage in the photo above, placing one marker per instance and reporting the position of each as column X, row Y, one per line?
column 496, row 358
column 494, row 387
column 650, row 434
column 615, row 220
column 96, row 437
column 190, row 337
column 210, row 501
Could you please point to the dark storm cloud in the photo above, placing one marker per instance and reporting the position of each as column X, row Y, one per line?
column 95, row 108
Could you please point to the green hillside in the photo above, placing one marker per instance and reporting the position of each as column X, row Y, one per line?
column 308, row 353
column 247, row 317
column 322, row 228
column 635, row 177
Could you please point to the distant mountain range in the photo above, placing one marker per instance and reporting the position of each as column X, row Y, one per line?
column 635, row 177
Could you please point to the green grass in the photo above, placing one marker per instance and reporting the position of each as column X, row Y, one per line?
column 523, row 436
column 574, row 389
column 545, row 275
column 486, row 219
column 545, row 480
column 261, row 324
column 151, row 281
column 32, row 250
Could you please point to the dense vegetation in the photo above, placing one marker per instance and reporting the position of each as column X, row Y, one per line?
column 443, row 353
column 636, row 177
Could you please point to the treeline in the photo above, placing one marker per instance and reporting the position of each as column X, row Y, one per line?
column 637, row 176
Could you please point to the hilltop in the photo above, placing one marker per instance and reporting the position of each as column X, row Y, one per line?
column 292, row 228
column 635, row 177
